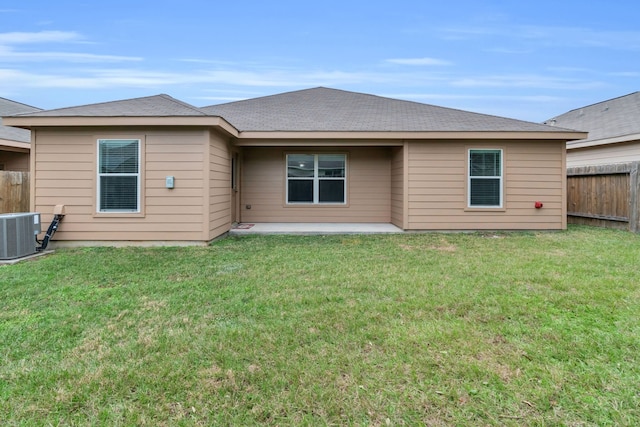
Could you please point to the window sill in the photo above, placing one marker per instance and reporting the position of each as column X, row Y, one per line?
column 316, row 205
column 118, row 215
column 485, row 209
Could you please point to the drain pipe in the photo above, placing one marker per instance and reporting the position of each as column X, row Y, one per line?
column 58, row 214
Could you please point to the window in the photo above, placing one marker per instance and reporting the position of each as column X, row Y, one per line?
column 316, row 178
column 118, row 175
column 485, row 179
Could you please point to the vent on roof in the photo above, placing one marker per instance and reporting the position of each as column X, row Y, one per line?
column 18, row 234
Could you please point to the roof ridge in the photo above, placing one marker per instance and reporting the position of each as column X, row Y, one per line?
column 21, row 103
column 177, row 101
column 266, row 96
column 597, row 103
column 374, row 96
column 161, row 95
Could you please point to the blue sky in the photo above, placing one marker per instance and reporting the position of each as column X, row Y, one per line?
column 529, row 60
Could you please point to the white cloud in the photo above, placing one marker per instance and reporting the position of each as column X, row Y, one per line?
column 418, row 61
column 10, row 55
column 122, row 77
column 38, row 37
column 549, row 36
column 525, row 81
column 625, row 74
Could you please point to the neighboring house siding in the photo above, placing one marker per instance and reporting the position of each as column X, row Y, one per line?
column 604, row 154
column 18, row 162
column 368, row 187
column 219, row 186
column 397, row 187
column 65, row 165
column 533, row 171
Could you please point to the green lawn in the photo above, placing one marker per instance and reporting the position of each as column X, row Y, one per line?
column 439, row 329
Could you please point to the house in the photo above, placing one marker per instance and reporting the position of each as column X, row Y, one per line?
column 14, row 143
column 155, row 169
column 603, row 169
column 614, row 132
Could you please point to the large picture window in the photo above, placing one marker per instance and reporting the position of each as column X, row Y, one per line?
column 118, row 175
column 485, row 179
column 316, row 178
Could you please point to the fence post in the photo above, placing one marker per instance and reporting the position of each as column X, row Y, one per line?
column 634, row 198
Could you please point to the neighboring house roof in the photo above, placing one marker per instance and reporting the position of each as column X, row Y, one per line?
column 150, row 106
column 8, row 108
column 331, row 110
column 614, row 120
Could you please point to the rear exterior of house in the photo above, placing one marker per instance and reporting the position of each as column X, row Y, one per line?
column 416, row 185
column 158, row 171
column 66, row 172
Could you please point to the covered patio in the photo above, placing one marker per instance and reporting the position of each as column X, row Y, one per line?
column 313, row 228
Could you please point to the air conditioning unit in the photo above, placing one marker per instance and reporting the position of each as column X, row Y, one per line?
column 18, row 233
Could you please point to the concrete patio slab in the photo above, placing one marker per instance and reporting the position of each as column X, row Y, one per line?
column 313, row 228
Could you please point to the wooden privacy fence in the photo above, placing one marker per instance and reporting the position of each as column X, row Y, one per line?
column 14, row 192
column 605, row 196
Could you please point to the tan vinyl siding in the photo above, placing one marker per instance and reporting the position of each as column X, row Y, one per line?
column 397, row 187
column 368, row 187
column 604, row 154
column 65, row 161
column 533, row 171
column 219, row 186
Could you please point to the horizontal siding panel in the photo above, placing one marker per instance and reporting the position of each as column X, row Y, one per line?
column 63, row 166
column 533, row 171
column 129, row 236
column 65, row 183
column 177, row 157
column 167, row 194
column 195, row 174
column 75, row 149
column 65, row 175
column 170, row 148
column 177, row 209
column 129, row 226
column 46, row 200
column 64, row 158
column 164, row 201
column 173, row 166
column 181, row 183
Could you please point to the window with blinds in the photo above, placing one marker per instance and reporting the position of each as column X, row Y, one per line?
column 316, row 178
column 118, row 175
column 485, row 179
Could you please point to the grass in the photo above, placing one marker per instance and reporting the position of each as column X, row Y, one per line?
column 439, row 329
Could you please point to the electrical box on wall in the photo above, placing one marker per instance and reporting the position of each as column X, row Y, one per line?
column 169, row 182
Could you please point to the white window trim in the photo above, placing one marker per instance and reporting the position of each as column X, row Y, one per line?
column 316, row 181
column 501, row 179
column 138, row 175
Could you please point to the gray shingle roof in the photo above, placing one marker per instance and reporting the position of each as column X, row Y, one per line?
column 8, row 108
column 606, row 119
column 150, row 106
column 324, row 109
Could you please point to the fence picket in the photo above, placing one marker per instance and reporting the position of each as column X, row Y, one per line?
column 14, row 192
